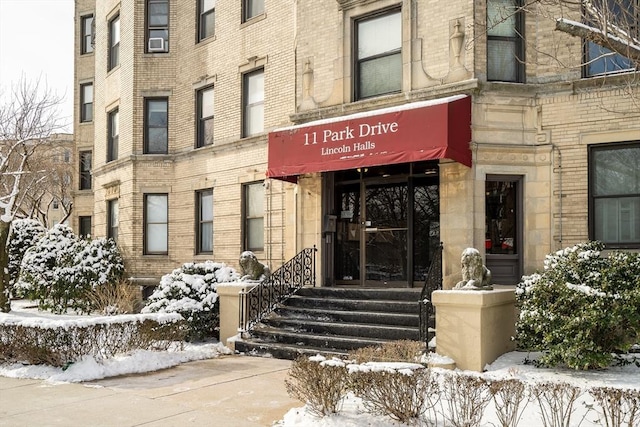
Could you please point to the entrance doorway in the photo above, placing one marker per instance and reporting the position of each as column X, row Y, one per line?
column 387, row 224
column 503, row 226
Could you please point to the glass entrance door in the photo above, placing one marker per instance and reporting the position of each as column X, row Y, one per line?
column 385, row 234
column 387, row 225
column 503, row 205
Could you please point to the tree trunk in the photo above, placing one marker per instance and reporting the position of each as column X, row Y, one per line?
column 5, row 301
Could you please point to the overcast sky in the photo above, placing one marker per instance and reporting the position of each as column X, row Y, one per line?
column 36, row 38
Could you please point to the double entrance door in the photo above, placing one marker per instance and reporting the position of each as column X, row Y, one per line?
column 387, row 226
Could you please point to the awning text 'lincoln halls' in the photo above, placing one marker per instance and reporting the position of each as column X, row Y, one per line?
column 412, row 132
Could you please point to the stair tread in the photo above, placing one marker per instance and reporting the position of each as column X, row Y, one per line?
column 262, row 328
column 345, row 325
column 354, row 312
column 295, row 348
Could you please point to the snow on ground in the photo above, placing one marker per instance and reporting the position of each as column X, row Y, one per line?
column 510, row 365
column 89, row 369
column 353, row 413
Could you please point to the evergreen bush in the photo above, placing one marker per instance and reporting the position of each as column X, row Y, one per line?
column 582, row 307
column 62, row 270
column 24, row 234
column 191, row 292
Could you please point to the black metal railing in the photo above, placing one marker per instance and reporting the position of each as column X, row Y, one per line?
column 432, row 282
column 262, row 299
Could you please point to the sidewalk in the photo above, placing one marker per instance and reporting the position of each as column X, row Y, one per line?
column 238, row 391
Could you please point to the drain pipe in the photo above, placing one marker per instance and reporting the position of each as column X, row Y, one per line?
column 559, row 192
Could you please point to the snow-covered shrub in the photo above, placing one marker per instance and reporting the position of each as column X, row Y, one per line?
column 61, row 270
column 402, row 391
column 320, row 383
column 62, row 342
column 24, row 234
column 582, row 307
column 191, row 291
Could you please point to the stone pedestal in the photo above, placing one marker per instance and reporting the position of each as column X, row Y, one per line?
column 474, row 328
column 228, row 295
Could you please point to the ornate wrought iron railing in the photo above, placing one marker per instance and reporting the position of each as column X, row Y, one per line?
column 262, row 299
column 432, row 282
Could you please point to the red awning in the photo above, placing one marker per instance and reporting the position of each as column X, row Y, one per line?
column 409, row 133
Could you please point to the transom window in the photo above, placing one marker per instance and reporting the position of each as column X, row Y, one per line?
column 157, row 123
column 378, row 55
column 207, row 18
column 614, row 194
column 253, row 100
column 157, row 26
column 205, row 117
column 505, row 47
column 621, row 15
column 156, row 224
column 86, row 34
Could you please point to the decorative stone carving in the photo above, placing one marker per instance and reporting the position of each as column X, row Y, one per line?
column 252, row 269
column 457, row 70
column 475, row 275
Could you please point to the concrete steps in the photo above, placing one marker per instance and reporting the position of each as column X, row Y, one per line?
column 332, row 321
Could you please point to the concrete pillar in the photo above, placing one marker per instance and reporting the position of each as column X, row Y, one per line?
column 228, row 294
column 474, row 328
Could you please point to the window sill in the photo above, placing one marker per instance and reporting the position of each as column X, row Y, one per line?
column 253, row 20
column 207, row 40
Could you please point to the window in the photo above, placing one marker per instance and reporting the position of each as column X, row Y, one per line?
column 253, row 213
column 505, row 47
column 156, row 126
column 205, row 117
column 114, row 43
column 86, row 102
column 252, row 8
column 157, row 25
column 253, row 101
column 378, row 46
column 66, row 156
column 614, row 194
column 85, row 226
column 85, row 170
column 204, row 234
column 55, row 204
column 86, row 34
column 622, row 14
column 113, row 135
column 207, row 18
column 112, row 219
column 156, row 224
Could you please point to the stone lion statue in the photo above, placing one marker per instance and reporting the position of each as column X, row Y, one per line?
column 252, row 269
column 475, row 275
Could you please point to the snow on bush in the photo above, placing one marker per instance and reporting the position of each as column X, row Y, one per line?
column 62, row 270
column 191, row 292
column 24, row 234
column 582, row 307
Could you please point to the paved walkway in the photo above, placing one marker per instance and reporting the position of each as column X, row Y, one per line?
column 237, row 391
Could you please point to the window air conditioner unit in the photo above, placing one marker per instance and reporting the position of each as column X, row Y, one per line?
column 156, row 44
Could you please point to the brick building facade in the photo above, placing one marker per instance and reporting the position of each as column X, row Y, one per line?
column 180, row 107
